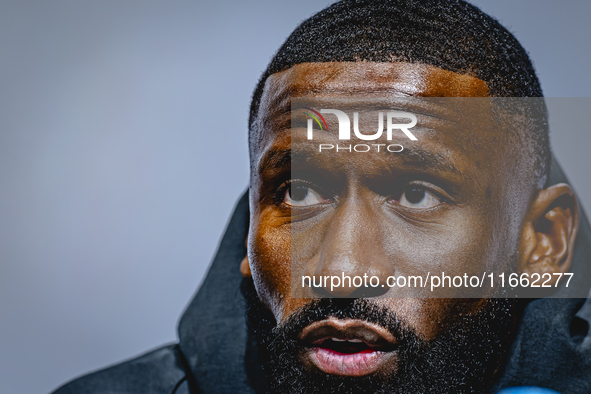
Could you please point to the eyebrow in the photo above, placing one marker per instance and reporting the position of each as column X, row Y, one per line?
column 279, row 158
column 430, row 159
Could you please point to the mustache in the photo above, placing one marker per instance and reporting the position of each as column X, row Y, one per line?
column 321, row 309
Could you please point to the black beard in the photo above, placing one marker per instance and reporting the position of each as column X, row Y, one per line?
column 465, row 359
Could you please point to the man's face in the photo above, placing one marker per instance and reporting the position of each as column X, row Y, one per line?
column 451, row 202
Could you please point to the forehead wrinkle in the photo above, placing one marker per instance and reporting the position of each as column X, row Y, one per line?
column 406, row 79
column 286, row 86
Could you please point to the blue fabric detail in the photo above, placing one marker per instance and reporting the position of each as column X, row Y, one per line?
column 527, row 390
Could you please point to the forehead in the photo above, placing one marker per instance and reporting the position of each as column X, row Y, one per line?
column 354, row 79
column 273, row 129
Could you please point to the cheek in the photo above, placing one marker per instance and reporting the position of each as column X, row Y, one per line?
column 457, row 245
column 269, row 254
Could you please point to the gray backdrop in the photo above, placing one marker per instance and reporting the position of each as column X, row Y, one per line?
column 112, row 199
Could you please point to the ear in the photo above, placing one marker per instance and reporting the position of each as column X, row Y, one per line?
column 245, row 265
column 549, row 232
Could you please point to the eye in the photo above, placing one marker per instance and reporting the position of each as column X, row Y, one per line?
column 302, row 195
column 415, row 196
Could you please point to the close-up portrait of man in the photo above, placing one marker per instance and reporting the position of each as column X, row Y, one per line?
column 445, row 252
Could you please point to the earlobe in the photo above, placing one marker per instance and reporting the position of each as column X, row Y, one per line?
column 245, row 268
column 245, row 265
column 549, row 233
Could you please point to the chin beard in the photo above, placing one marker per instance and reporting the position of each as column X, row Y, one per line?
column 464, row 359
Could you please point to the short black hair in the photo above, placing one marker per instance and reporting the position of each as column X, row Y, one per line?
column 449, row 34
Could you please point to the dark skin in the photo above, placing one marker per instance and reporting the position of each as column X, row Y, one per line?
column 485, row 191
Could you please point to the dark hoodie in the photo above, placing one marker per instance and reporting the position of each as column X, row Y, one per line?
column 550, row 349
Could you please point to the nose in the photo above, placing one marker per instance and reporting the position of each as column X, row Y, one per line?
column 353, row 262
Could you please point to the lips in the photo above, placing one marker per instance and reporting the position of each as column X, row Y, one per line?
column 348, row 347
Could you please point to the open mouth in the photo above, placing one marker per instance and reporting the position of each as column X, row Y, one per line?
column 348, row 347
